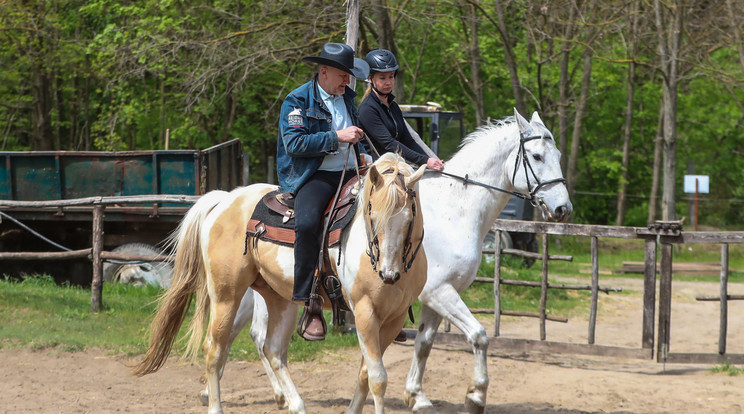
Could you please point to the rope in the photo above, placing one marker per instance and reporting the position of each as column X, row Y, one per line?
column 57, row 245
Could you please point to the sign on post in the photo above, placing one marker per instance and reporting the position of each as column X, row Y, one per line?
column 703, row 184
column 697, row 184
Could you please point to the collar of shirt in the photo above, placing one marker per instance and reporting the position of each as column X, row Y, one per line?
column 328, row 99
column 337, row 107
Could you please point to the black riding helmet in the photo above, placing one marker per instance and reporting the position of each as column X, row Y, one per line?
column 381, row 60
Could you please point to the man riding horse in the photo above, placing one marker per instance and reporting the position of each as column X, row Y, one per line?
column 317, row 128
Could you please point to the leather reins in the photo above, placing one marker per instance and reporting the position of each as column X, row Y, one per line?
column 522, row 154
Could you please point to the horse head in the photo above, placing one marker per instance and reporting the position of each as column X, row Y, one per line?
column 392, row 216
column 537, row 169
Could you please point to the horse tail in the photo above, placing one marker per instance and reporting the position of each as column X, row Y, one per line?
column 189, row 277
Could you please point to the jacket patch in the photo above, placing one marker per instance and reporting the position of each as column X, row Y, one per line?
column 294, row 118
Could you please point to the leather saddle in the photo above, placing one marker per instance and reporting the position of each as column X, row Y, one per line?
column 272, row 219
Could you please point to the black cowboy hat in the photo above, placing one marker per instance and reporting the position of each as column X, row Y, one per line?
column 341, row 56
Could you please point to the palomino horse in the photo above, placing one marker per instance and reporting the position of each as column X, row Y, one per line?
column 460, row 205
column 378, row 269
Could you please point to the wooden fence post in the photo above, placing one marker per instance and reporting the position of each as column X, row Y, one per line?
column 595, row 290
column 497, row 285
column 96, row 286
column 665, row 300
column 724, row 299
column 544, row 287
column 649, row 294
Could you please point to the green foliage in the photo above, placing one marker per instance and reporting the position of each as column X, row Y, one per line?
column 111, row 75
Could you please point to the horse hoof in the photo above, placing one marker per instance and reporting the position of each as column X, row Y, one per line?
column 280, row 401
column 474, row 407
column 418, row 403
column 204, row 397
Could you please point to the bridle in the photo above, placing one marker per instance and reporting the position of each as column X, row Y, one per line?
column 522, row 154
column 373, row 242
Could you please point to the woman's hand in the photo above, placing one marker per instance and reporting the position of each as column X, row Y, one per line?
column 435, row 164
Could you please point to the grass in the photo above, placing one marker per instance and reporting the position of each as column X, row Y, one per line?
column 39, row 314
column 727, row 369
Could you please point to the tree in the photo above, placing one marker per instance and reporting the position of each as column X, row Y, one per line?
column 632, row 50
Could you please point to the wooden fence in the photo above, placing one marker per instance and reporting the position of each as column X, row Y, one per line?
column 658, row 237
column 95, row 253
column 661, row 236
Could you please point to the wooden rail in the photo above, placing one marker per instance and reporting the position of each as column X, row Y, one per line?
column 95, row 253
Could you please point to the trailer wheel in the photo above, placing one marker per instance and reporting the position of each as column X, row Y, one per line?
column 532, row 246
column 489, row 242
column 138, row 273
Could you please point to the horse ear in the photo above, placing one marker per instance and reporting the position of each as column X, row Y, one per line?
column 523, row 124
column 375, row 177
column 413, row 179
column 536, row 119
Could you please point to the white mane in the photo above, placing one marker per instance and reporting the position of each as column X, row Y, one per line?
column 488, row 129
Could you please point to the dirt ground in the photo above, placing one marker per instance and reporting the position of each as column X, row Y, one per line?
column 52, row 381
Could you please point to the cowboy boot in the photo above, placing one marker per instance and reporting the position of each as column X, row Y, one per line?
column 312, row 324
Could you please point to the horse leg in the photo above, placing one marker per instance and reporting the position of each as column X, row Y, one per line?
column 446, row 302
column 274, row 321
column 244, row 315
column 223, row 307
column 414, row 396
column 361, row 391
column 368, row 332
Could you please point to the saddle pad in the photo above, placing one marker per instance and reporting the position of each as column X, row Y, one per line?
column 267, row 225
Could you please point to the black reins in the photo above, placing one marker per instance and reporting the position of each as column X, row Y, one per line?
column 522, row 154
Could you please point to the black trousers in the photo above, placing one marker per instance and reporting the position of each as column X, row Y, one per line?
column 311, row 201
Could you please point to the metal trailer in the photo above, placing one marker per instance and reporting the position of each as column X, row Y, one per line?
column 443, row 131
column 60, row 175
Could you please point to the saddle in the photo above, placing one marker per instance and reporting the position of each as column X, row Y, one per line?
column 273, row 217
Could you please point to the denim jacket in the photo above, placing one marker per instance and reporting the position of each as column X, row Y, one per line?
column 306, row 135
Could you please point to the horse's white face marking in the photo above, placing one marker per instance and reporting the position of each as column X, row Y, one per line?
column 395, row 232
column 393, row 220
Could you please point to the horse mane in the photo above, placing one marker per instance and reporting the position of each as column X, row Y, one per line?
column 487, row 129
column 384, row 200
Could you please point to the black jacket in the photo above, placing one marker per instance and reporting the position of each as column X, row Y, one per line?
column 386, row 128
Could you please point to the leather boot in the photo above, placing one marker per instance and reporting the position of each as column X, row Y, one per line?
column 312, row 325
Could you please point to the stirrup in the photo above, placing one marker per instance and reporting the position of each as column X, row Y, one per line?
column 312, row 310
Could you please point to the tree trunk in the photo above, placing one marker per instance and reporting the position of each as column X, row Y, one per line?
column 627, row 130
column 669, row 43
column 42, row 137
column 511, row 60
column 230, row 106
column 386, row 40
column 737, row 34
column 475, row 64
column 626, row 147
column 563, row 87
column 352, row 31
column 578, row 122
column 659, row 138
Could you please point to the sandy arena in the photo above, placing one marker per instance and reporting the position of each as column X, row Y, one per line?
column 52, row 381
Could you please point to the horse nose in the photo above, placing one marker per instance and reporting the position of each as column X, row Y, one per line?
column 562, row 212
column 388, row 277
